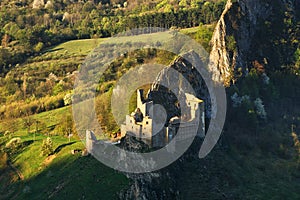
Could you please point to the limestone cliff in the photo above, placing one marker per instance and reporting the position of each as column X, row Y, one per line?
column 235, row 32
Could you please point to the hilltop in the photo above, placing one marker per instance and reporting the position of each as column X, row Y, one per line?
column 256, row 47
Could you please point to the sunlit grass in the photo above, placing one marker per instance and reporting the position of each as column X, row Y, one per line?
column 76, row 47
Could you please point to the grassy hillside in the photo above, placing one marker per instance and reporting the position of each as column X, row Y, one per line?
column 58, row 176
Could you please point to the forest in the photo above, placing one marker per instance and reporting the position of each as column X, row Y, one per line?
column 30, row 27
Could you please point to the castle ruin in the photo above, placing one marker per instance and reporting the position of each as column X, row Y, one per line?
column 144, row 125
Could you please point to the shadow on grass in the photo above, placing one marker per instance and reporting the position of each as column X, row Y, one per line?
column 60, row 147
column 27, row 143
column 52, row 50
column 73, row 177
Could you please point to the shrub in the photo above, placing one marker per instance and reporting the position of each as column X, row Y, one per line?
column 38, row 47
column 260, row 108
column 47, row 147
column 231, row 43
column 7, row 134
column 68, row 99
column 58, row 88
column 13, row 143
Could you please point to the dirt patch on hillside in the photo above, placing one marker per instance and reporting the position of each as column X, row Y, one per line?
column 48, row 160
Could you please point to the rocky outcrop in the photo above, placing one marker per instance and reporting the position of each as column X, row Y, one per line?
column 153, row 185
column 189, row 81
column 166, row 90
column 233, row 35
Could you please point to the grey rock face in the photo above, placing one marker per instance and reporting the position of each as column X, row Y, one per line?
column 233, row 35
column 155, row 185
column 168, row 98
